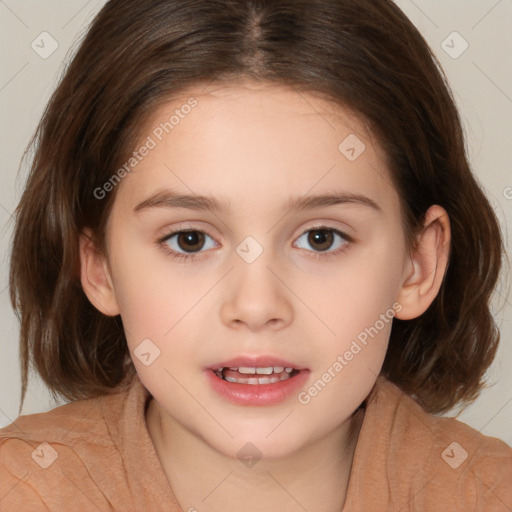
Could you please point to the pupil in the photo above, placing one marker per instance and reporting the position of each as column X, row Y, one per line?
column 191, row 239
column 322, row 237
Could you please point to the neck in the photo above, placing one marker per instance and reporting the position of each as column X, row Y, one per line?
column 313, row 478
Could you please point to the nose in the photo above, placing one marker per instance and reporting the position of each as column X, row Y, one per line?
column 256, row 297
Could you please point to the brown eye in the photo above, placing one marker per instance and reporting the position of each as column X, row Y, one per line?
column 190, row 240
column 321, row 239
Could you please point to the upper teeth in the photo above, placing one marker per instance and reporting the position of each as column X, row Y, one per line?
column 262, row 371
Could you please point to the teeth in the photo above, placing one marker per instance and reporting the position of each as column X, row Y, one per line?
column 259, row 380
column 265, row 380
column 246, row 370
column 275, row 373
column 265, row 371
column 260, row 371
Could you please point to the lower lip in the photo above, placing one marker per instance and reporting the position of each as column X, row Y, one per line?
column 257, row 394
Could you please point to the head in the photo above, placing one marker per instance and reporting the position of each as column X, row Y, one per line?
column 264, row 97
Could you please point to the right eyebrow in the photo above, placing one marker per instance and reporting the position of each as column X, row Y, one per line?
column 171, row 199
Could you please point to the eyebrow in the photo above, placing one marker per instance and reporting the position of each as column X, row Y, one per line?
column 170, row 199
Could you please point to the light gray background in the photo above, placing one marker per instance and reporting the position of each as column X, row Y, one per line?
column 481, row 79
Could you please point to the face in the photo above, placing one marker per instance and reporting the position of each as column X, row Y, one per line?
column 270, row 278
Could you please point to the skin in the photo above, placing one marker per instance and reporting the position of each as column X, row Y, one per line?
column 258, row 145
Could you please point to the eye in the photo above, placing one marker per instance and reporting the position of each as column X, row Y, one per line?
column 188, row 243
column 323, row 240
column 185, row 243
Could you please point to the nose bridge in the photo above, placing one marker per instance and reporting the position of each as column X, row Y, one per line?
column 255, row 296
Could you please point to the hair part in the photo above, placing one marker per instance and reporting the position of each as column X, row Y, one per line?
column 362, row 54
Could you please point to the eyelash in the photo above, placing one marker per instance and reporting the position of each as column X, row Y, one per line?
column 315, row 254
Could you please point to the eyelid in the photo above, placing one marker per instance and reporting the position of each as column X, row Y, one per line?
column 176, row 231
column 322, row 255
column 182, row 256
column 187, row 226
column 317, row 226
column 326, row 225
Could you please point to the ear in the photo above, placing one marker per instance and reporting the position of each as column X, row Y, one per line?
column 427, row 265
column 95, row 276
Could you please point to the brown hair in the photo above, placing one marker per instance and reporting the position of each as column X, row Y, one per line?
column 364, row 54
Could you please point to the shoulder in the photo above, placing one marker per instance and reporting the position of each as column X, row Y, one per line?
column 477, row 467
column 446, row 458
column 65, row 425
column 42, row 452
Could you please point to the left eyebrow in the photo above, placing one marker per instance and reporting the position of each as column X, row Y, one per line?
column 170, row 199
column 321, row 201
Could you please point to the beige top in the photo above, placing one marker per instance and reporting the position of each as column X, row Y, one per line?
column 97, row 455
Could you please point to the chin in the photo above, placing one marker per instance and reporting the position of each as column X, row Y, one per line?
column 258, row 445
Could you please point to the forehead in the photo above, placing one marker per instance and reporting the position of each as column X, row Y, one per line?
column 252, row 140
column 267, row 101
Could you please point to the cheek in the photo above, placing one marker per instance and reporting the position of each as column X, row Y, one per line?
column 359, row 290
column 164, row 302
column 158, row 297
column 357, row 303
column 151, row 299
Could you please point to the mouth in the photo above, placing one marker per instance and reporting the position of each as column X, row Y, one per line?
column 255, row 375
column 260, row 380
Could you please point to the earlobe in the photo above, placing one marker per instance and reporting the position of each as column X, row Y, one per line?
column 95, row 277
column 427, row 266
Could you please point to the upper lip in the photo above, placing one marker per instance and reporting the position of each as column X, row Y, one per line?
column 263, row 361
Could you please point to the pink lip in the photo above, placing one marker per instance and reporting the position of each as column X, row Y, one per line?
column 257, row 394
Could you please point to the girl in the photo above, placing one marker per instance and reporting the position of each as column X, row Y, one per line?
column 242, row 253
